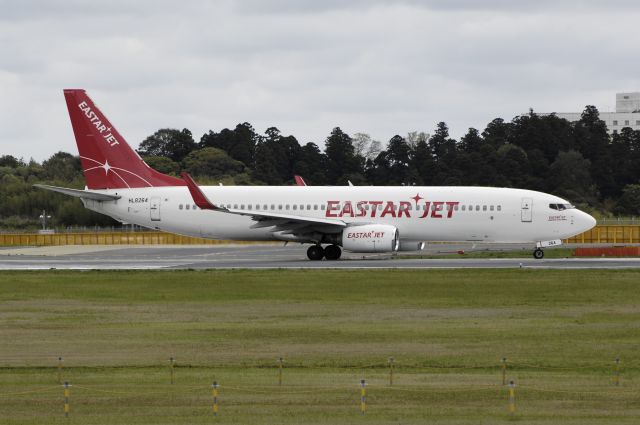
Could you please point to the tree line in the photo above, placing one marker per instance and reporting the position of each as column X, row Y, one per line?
column 578, row 161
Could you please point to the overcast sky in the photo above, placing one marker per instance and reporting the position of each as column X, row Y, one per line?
column 306, row 66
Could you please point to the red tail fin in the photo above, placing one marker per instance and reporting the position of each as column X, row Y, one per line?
column 299, row 180
column 108, row 162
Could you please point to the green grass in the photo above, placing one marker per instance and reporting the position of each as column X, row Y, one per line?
column 446, row 329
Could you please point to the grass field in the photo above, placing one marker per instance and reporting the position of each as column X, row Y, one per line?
column 447, row 330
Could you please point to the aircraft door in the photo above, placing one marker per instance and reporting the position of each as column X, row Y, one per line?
column 526, row 209
column 154, row 208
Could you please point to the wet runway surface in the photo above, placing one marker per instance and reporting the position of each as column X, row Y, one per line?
column 264, row 257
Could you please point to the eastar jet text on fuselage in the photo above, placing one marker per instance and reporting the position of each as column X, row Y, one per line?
column 355, row 218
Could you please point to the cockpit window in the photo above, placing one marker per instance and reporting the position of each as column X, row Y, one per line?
column 561, row 207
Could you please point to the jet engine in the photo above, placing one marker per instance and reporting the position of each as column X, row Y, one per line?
column 370, row 238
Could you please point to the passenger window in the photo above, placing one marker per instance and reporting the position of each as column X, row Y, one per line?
column 195, row 207
column 295, row 207
column 477, row 207
column 484, row 208
column 235, row 206
column 322, row 207
column 265, row 207
column 301, row 207
column 455, row 208
column 491, row 208
column 315, row 207
column 308, row 207
column 249, row 206
column 463, row 208
column 286, row 207
column 279, row 207
column 187, row 206
column 180, row 206
column 470, row 207
column 499, row 207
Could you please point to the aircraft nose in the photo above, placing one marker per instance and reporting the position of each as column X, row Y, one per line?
column 587, row 221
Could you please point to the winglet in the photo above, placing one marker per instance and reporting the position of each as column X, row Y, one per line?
column 299, row 180
column 199, row 198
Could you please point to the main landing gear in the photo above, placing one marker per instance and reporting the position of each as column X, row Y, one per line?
column 331, row 252
column 538, row 254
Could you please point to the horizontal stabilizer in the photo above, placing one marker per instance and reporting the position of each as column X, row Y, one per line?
column 85, row 194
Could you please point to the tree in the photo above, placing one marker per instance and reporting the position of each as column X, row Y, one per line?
column 171, row 143
column 512, row 165
column 438, row 141
column 548, row 134
column 444, row 150
column 276, row 156
column 62, row 166
column 342, row 160
column 240, row 143
column 365, row 147
column 10, row 161
column 477, row 160
column 399, row 157
column 569, row 178
column 212, row 162
column 592, row 140
column 311, row 164
column 163, row 164
column 629, row 202
column 496, row 133
column 472, row 141
column 422, row 163
column 413, row 137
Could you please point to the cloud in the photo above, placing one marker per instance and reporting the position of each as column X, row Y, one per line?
column 378, row 67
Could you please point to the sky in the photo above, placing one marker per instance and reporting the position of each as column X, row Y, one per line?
column 306, row 66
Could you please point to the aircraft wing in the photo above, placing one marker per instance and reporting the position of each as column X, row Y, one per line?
column 287, row 223
column 86, row 194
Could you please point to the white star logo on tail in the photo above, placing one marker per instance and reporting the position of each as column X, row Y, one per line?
column 107, row 167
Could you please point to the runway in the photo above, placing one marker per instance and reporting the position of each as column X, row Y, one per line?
column 163, row 257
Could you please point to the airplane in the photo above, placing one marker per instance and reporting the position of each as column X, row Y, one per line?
column 360, row 219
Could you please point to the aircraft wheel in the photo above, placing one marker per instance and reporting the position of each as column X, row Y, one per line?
column 538, row 254
column 315, row 253
column 332, row 252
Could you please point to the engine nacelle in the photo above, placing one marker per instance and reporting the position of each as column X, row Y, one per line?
column 370, row 238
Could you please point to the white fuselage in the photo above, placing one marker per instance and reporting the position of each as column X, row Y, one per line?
column 444, row 213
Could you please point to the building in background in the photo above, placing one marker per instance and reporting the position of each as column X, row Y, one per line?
column 627, row 113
